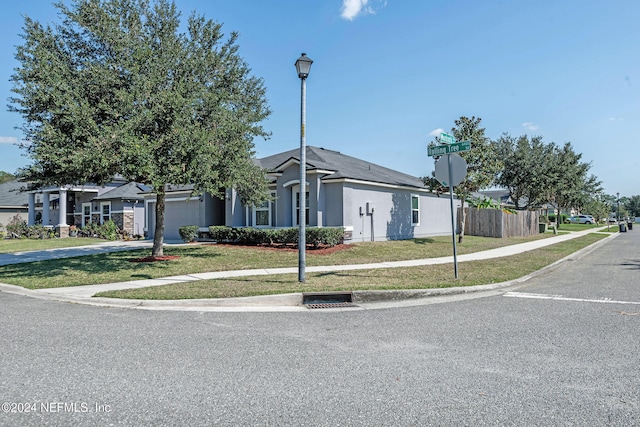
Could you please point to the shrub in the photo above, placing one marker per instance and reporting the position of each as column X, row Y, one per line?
column 17, row 227
column 286, row 236
column 324, row 236
column 252, row 236
column 189, row 233
column 315, row 236
column 221, row 233
column 109, row 230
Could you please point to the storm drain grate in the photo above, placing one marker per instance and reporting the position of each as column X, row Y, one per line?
column 327, row 300
column 331, row 305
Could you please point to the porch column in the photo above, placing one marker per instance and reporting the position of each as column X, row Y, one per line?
column 45, row 208
column 31, row 218
column 63, row 208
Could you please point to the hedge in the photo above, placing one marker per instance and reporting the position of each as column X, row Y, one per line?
column 188, row 233
column 315, row 236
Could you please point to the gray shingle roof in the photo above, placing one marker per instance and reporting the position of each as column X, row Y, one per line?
column 129, row 191
column 10, row 194
column 343, row 166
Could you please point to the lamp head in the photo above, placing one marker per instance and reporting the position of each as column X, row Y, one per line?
column 303, row 65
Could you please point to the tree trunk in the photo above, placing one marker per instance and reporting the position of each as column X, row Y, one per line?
column 158, row 235
column 463, row 220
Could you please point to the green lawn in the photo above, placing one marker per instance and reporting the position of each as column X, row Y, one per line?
column 24, row 245
column 117, row 266
column 436, row 276
column 578, row 227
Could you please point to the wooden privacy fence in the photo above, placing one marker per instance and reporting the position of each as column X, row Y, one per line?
column 496, row 223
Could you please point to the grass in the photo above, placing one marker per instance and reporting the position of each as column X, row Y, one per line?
column 436, row 276
column 578, row 227
column 116, row 266
column 24, row 245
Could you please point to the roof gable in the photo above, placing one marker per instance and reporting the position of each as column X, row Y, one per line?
column 129, row 191
column 345, row 167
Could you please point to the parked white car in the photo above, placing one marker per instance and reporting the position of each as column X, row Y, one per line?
column 582, row 219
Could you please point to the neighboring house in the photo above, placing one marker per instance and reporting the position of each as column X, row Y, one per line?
column 123, row 204
column 61, row 207
column 503, row 197
column 12, row 201
column 370, row 201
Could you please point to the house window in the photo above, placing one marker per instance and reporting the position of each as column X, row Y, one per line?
column 105, row 212
column 86, row 214
column 262, row 215
column 415, row 210
column 306, row 198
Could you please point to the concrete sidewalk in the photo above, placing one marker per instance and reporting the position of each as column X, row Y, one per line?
column 84, row 294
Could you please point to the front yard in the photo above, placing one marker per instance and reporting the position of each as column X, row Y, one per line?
column 117, row 266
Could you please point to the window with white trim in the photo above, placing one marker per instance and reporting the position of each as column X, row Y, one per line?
column 297, row 210
column 415, row 209
column 86, row 214
column 105, row 212
column 262, row 214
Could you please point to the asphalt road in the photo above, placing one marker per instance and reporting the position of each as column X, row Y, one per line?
column 564, row 349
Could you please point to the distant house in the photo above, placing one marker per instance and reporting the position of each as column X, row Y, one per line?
column 370, row 201
column 12, row 201
column 503, row 198
column 80, row 205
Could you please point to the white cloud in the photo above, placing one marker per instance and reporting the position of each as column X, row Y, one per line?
column 530, row 126
column 8, row 140
column 436, row 132
column 352, row 8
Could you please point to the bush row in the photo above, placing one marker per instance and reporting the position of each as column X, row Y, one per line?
column 314, row 236
column 21, row 230
column 109, row 230
column 18, row 228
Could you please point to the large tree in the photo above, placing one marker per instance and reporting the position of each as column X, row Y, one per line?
column 633, row 206
column 483, row 163
column 569, row 185
column 117, row 87
column 5, row 177
column 526, row 167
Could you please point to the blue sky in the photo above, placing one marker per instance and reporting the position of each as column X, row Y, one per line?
column 388, row 73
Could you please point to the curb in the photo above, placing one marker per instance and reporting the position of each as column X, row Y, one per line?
column 292, row 301
column 393, row 295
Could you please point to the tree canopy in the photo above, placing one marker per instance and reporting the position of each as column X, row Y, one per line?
column 6, row 176
column 526, row 168
column 118, row 88
column 482, row 162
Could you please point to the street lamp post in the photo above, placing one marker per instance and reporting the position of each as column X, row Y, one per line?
column 618, row 207
column 303, row 65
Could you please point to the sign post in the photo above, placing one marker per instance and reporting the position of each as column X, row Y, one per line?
column 455, row 165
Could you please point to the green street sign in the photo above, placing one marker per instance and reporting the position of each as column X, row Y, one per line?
column 457, row 147
column 460, row 146
column 437, row 150
column 446, row 138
